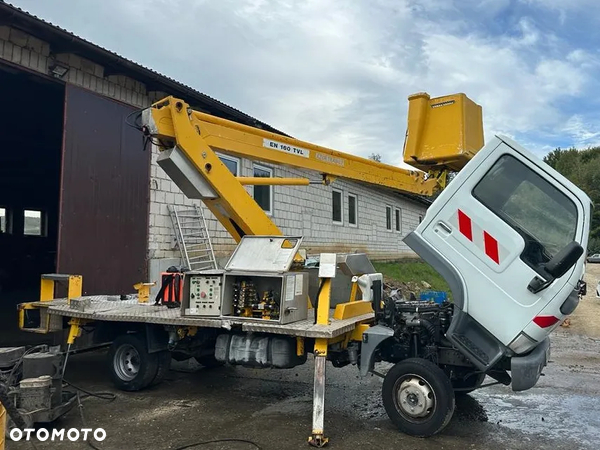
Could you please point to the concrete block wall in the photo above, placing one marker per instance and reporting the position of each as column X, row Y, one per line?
column 34, row 54
column 307, row 211
column 298, row 210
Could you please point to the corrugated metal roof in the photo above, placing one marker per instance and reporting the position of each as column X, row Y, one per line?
column 52, row 33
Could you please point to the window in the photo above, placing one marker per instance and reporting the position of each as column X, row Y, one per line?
column 3, row 220
column 264, row 194
column 388, row 218
column 336, row 206
column 32, row 223
column 398, row 219
column 233, row 164
column 545, row 217
column 352, row 209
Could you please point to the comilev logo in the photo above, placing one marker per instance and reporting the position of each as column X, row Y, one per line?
column 72, row 434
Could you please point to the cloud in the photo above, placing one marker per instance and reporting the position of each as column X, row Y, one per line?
column 338, row 73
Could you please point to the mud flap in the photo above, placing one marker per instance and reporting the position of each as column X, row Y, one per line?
column 526, row 369
column 370, row 341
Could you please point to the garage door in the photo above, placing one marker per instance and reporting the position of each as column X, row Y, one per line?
column 103, row 224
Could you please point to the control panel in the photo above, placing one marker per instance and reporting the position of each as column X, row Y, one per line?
column 205, row 295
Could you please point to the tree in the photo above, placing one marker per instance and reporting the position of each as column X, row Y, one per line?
column 582, row 167
column 375, row 157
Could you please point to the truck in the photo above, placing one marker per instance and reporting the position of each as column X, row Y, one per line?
column 508, row 235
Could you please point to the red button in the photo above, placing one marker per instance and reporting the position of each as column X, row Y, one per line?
column 203, row 294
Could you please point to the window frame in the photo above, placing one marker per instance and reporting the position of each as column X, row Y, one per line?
column 341, row 192
column 355, row 224
column 43, row 223
column 271, row 192
column 234, row 159
column 398, row 219
column 7, row 220
column 389, row 228
column 539, row 267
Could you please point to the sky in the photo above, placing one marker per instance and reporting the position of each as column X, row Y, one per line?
column 338, row 72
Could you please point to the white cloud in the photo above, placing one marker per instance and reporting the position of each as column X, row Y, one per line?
column 338, row 73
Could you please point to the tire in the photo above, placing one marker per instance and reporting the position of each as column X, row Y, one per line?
column 418, row 397
column 164, row 365
column 468, row 385
column 131, row 367
column 208, row 361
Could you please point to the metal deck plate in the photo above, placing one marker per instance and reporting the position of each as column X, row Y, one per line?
column 114, row 310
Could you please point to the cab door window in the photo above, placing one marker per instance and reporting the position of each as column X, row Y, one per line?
column 544, row 216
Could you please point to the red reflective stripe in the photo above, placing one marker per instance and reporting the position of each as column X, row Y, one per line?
column 491, row 247
column 464, row 225
column 545, row 321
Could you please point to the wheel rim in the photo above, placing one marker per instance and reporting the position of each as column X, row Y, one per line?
column 127, row 362
column 414, row 398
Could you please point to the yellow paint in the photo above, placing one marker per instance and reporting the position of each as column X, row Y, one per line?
column 323, row 302
column 352, row 309
column 321, row 347
column 444, row 133
column 233, row 203
column 46, row 290
column 75, row 286
column 143, row 291
column 299, row 346
column 21, row 310
column 353, row 292
column 249, row 142
column 270, row 181
column 182, row 332
column 358, row 331
column 75, row 330
column 439, row 139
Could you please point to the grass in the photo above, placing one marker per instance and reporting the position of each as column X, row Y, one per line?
column 412, row 271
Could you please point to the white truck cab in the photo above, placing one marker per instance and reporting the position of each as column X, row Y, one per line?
column 508, row 234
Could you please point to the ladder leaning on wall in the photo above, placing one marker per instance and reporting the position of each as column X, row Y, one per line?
column 192, row 237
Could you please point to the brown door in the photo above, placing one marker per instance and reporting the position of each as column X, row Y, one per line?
column 103, row 222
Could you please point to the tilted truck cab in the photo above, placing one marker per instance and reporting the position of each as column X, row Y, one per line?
column 508, row 235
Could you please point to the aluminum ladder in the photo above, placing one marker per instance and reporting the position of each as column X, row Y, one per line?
column 192, row 237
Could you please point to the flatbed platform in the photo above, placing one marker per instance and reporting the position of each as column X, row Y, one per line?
column 112, row 309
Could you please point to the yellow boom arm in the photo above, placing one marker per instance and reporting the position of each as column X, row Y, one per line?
column 187, row 141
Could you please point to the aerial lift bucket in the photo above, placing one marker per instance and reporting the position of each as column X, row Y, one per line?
column 443, row 133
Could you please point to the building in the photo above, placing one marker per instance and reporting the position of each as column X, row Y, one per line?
column 80, row 194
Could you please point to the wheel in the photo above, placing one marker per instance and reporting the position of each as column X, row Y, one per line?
column 164, row 365
column 208, row 361
column 418, row 397
column 467, row 385
column 132, row 368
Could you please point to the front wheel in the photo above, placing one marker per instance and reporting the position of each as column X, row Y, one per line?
column 418, row 397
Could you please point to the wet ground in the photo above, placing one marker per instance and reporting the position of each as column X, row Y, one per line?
column 273, row 408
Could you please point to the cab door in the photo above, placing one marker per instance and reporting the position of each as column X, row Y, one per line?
column 490, row 234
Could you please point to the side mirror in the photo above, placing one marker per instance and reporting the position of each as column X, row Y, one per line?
column 564, row 260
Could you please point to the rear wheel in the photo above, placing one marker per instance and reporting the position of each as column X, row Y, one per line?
column 132, row 368
column 418, row 397
column 164, row 365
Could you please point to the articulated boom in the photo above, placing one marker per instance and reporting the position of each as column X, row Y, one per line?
column 188, row 140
